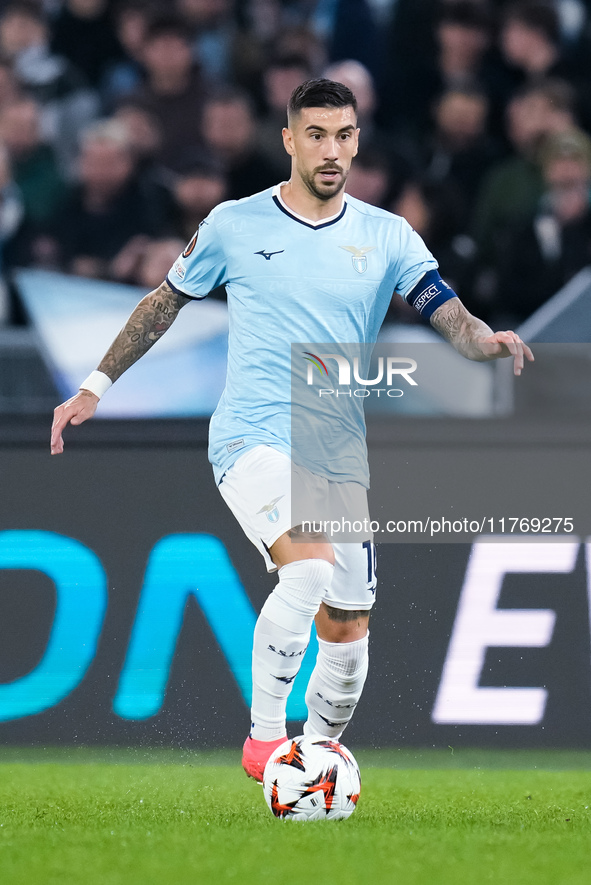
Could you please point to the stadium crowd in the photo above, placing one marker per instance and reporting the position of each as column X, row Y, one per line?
column 123, row 123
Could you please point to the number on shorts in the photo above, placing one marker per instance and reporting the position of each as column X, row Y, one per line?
column 372, row 562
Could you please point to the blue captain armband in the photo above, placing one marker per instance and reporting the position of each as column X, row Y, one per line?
column 429, row 294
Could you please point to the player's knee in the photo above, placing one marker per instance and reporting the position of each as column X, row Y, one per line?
column 341, row 625
column 302, row 585
column 297, row 544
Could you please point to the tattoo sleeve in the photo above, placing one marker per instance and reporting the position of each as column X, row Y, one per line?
column 153, row 316
column 461, row 329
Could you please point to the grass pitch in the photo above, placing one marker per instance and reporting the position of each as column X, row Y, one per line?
column 83, row 817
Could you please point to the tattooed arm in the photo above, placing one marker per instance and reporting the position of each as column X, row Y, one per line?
column 474, row 339
column 149, row 321
column 153, row 316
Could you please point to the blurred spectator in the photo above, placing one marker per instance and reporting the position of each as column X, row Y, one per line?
column 549, row 251
column 281, row 76
column 9, row 87
column 197, row 189
column 370, row 178
column 124, row 75
column 105, row 209
column 459, row 152
column 33, row 162
column 530, row 38
column 11, row 219
column 303, row 41
column 463, row 36
column 512, row 188
column 433, row 211
column 212, row 27
column 144, row 133
column 145, row 262
column 83, row 32
column 351, row 32
column 174, row 89
column 229, row 130
column 67, row 104
column 454, row 38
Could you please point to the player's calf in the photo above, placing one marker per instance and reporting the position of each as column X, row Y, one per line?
column 281, row 637
column 335, row 686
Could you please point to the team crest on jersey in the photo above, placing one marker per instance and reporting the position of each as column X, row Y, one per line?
column 271, row 510
column 359, row 256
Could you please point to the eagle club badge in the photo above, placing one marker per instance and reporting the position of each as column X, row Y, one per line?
column 271, row 510
column 358, row 256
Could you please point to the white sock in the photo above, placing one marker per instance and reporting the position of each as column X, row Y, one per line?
column 281, row 638
column 335, row 686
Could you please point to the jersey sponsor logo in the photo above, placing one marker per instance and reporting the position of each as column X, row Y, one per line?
column 359, row 256
column 267, row 255
column 190, row 245
column 180, row 270
column 271, row 510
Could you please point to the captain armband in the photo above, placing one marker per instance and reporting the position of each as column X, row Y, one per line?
column 429, row 294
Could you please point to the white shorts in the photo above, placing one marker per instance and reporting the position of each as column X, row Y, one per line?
column 258, row 491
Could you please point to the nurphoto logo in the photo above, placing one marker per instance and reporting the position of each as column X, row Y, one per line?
column 389, row 370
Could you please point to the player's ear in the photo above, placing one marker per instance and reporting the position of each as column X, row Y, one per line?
column 288, row 141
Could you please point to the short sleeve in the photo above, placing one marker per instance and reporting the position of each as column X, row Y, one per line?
column 414, row 260
column 202, row 265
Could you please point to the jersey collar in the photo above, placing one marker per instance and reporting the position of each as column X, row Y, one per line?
column 315, row 225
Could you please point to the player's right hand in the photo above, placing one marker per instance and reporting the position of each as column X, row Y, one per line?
column 74, row 411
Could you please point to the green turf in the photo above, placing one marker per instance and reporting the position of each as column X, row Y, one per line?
column 125, row 818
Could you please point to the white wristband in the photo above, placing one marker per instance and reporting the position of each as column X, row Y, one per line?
column 97, row 382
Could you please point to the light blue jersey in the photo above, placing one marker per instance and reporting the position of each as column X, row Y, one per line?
column 291, row 281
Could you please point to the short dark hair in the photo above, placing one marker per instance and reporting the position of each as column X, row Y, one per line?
column 320, row 93
column 538, row 15
column 166, row 25
column 466, row 14
column 557, row 92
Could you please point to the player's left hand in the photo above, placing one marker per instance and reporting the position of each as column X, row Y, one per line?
column 504, row 344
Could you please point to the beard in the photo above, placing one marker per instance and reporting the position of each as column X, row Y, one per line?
column 324, row 191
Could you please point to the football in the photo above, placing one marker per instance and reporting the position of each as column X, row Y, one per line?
column 310, row 778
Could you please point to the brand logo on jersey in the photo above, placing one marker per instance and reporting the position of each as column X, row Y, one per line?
column 180, row 270
column 271, row 509
column 359, row 256
column 267, row 255
column 237, row 444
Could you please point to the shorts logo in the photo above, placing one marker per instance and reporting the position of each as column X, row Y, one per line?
column 180, row 270
column 426, row 296
column 271, row 509
column 359, row 256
